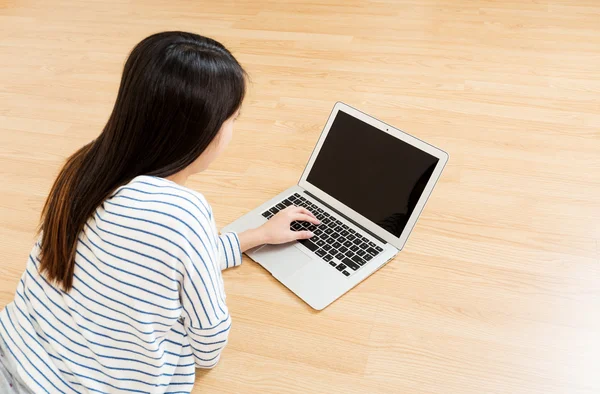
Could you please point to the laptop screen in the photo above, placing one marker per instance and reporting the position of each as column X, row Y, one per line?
column 372, row 172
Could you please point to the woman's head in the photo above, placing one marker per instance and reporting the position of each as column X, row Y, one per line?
column 218, row 144
column 177, row 92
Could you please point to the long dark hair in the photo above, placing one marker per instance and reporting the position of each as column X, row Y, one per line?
column 176, row 91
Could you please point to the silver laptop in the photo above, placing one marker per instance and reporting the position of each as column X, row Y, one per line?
column 368, row 183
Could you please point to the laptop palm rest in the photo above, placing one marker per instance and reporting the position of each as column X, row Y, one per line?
column 281, row 260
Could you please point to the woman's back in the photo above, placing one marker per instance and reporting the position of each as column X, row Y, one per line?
column 123, row 291
column 147, row 304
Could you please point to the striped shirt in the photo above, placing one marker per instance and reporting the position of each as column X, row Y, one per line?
column 147, row 305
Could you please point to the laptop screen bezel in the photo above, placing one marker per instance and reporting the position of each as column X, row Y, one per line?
column 442, row 156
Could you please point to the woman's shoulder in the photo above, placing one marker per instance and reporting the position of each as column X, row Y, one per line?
column 157, row 184
column 159, row 196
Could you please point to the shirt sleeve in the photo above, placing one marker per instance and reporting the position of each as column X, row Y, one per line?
column 208, row 343
column 229, row 247
column 206, row 318
column 230, row 252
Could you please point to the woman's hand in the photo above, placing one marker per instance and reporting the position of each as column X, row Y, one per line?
column 277, row 229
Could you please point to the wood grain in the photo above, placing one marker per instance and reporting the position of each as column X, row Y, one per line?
column 498, row 288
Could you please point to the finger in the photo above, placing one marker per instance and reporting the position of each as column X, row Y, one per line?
column 303, row 234
column 302, row 217
column 287, row 210
column 306, row 211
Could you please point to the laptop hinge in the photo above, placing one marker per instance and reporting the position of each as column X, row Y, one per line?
column 383, row 241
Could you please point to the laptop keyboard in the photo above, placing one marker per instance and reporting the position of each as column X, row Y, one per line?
column 334, row 242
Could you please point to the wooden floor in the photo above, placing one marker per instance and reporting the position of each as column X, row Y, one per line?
column 498, row 288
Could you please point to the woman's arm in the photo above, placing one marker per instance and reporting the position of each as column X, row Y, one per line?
column 251, row 238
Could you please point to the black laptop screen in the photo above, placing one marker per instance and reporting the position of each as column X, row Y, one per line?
column 372, row 172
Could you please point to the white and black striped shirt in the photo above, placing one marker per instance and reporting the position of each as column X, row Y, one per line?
column 147, row 304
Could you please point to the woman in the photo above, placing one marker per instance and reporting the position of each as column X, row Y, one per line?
column 123, row 290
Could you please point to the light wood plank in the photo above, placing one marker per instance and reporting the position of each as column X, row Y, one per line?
column 498, row 288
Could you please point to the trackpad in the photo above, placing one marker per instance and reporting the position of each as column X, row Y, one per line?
column 281, row 260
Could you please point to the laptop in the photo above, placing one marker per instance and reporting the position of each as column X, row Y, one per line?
column 367, row 182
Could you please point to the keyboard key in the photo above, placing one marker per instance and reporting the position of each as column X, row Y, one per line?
column 372, row 244
column 328, row 231
column 273, row 210
column 321, row 253
column 301, row 198
column 347, row 244
column 345, row 233
column 312, row 227
column 357, row 241
column 328, row 257
column 326, row 214
column 352, row 231
column 296, row 195
column 340, row 267
column 349, row 254
column 286, row 203
column 379, row 249
column 372, row 251
column 346, row 273
column 339, row 229
column 367, row 257
column 332, row 263
column 266, row 214
column 351, row 237
column 318, row 232
column 309, row 244
column 358, row 260
column 339, row 256
column 361, row 253
column 296, row 227
column 337, row 245
column 335, row 235
column 364, row 239
column 354, row 248
column 350, row 264
column 320, row 243
column 327, row 247
column 343, row 249
column 280, row 206
column 338, row 222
